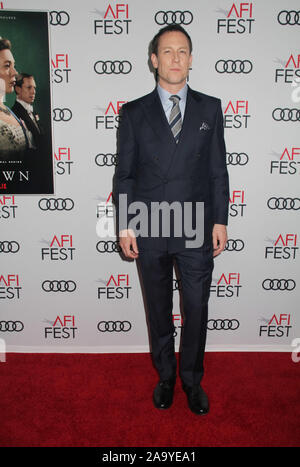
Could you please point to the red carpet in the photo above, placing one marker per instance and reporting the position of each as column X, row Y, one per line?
column 106, row 400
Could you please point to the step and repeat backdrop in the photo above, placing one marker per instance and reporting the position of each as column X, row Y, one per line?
column 63, row 287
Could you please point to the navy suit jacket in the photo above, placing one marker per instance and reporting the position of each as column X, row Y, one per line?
column 152, row 167
column 22, row 113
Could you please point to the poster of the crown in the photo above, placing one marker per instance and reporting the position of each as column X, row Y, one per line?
column 26, row 161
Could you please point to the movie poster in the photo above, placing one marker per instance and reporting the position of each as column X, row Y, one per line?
column 26, row 162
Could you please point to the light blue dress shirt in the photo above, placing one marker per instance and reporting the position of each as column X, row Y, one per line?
column 167, row 104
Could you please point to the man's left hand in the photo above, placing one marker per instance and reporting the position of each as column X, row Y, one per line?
column 219, row 236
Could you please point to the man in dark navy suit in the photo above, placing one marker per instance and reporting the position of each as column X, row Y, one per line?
column 172, row 154
column 25, row 89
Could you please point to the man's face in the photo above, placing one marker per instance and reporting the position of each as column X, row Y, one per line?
column 27, row 91
column 173, row 60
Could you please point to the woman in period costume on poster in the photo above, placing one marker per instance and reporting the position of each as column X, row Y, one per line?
column 26, row 149
column 13, row 133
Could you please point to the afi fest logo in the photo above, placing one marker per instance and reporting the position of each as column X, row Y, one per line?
column 227, row 285
column 284, row 247
column 287, row 162
column 60, row 248
column 8, row 207
column 115, row 20
column 237, row 203
column 236, row 114
column 63, row 160
column 60, row 68
column 62, row 328
column 290, row 70
column 109, row 118
column 10, row 286
column 178, row 324
column 238, row 20
column 116, row 287
column 277, row 326
column 105, row 214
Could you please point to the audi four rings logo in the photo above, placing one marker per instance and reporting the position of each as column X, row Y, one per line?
column 291, row 17
column 113, row 68
column 59, row 286
column 9, row 247
column 286, row 115
column 279, row 284
column 234, row 66
column 173, row 17
column 237, row 158
column 59, row 18
column 62, row 115
column 114, row 326
column 223, row 324
column 288, row 204
column 106, row 159
column 234, row 245
column 108, row 246
column 56, row 204
column 11, row 326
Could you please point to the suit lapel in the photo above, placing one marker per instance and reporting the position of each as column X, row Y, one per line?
column 27, row 120
column 157, row 119
column 190, row 126
column 192, row 118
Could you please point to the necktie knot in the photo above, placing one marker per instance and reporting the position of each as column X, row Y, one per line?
column 175, row 99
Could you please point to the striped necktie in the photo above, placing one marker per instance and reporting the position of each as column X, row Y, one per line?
column 175, row 118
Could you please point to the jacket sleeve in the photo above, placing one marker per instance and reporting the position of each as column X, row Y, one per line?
column 125, row 175
column 218, row 171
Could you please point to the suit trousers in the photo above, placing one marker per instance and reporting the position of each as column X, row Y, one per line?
column 195, row 268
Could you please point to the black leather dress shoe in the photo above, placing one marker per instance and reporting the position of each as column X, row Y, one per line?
column 163, row 394
column 197, row 399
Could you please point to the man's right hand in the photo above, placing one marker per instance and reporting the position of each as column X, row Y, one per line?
column 128, row 243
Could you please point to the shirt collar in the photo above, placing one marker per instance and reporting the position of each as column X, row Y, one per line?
column 26, row 106
column 165, row 95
